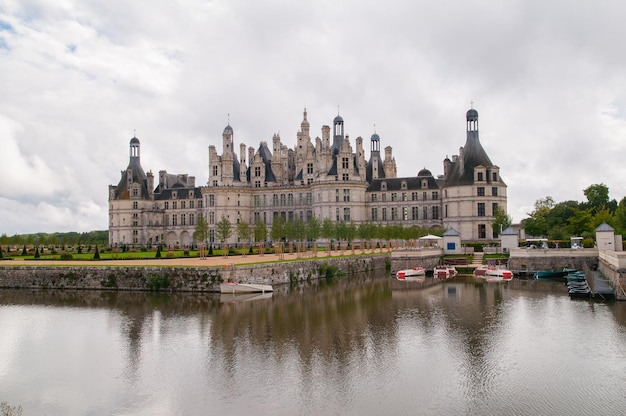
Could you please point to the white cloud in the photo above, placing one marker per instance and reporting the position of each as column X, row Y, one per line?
column 79, row 77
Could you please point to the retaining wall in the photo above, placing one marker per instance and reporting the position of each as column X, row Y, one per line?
column 191, row 279
column 529, row 261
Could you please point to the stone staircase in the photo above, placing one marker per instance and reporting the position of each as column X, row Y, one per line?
column 478, row 258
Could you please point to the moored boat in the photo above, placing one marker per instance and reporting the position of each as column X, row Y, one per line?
column 578, row 276
column 552, row 274
column 498, row 275
column 444, row 271
column 414, row 272
column 233, row 287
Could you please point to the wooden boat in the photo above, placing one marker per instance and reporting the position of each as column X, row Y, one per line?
column 444, row 271
column 233, row 287
column 415, row 272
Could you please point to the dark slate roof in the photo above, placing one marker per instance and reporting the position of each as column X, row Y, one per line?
column 395, row 184
column 236, row 175
column 473, row 155
column 166, row 194
column 368, row 170
column 604, row 227
column 266, row 156
column 333, row 168
column 137, row 176
column 509, row 231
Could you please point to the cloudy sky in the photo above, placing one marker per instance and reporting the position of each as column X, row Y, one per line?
column 78, row 78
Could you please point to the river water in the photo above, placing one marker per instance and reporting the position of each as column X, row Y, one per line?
column 357, row 346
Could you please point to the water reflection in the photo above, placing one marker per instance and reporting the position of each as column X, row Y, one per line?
column 366, row 345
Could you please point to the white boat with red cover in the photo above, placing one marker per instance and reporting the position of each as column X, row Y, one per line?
column 444, row 271
column 493, row 274
column 416, row 273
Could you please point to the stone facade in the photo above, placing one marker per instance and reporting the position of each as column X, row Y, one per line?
column 324, row 177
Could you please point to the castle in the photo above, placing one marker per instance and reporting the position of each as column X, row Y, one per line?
column 324, row 178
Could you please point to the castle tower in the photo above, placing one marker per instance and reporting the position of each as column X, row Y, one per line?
column 337, row 134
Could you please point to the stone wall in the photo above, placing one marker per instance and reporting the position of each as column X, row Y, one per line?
column 407, row 259
column 201, row 279
column 529, row 261
column 617, row 278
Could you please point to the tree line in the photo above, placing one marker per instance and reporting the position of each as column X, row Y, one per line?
column 562, row 220
column 312, row 230
column 57, row 239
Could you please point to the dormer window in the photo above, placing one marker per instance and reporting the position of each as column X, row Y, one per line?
column 383, row 186
column 403, row 185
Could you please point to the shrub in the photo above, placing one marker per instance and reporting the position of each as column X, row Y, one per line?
column 186, row 253
column 66, row 256
column 158, row 253
column 37, row 253
column 328, row 271
column 111, row 282
column 96, row 255
column 156, row 282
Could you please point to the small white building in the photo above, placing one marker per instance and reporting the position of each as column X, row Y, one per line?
column 452, row 242
column 509, row 239
column 606, row 238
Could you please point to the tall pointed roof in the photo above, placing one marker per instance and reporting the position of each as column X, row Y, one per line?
column 134, row 173
column 472, row 155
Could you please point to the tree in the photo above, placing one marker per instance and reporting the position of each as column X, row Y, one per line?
column 278, row 228
column 224, row 229
column 96, row 254
column 341, row 230
column 351, row 231
column 535, row 224
column 580, row 223
column 201, row 232
column 313, row 229
column 559, row 216
column 243, row 231
column 501, row 220
column 260, row 231
column 299, row 229
column 602, row 215
column 597, row 197
column 328, row 229
column 620, row 217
